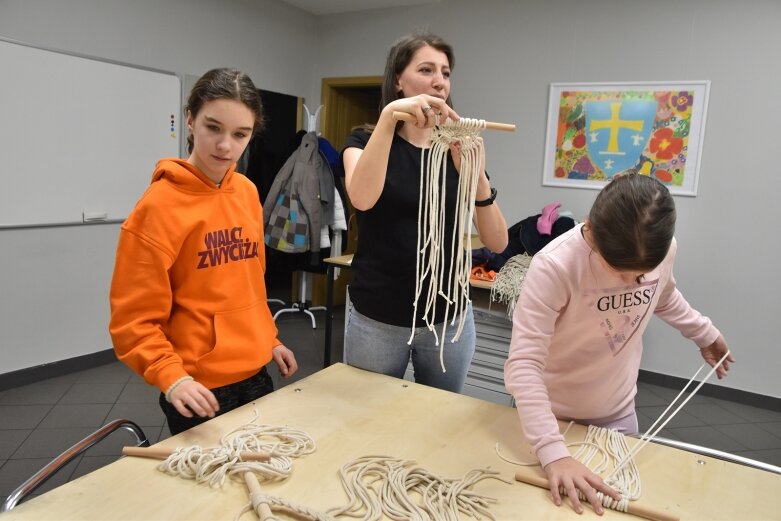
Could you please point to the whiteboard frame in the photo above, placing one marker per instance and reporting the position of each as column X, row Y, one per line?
column 179, row 119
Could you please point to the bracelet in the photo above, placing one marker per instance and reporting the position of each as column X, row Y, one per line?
column 489, row 201
column 175, row 385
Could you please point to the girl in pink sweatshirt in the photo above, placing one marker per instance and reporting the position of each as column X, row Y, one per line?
column 578, row 326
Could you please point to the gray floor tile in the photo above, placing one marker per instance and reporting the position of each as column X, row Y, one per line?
column 666, row 433
column 751, row 436
column 90, row 463
column 156, row 434
column 17, row 471
column 138, row 393
column 667, row 394
column 771, row 427
column 10, row 440
column 752, row 414
column 69, row 378
column 643, row 420
column 92, row 393
column 112, row 444
column 707, row 436
column 645, row 397
column 39, row 393
column 76, row 415
column 681, row 419
column 50, row 443
column 116, row 372
column 142, row 414
column 771, row 457
column 713, row 414
column 23, row 416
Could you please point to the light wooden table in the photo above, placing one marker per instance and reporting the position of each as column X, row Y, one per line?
column 352, row 413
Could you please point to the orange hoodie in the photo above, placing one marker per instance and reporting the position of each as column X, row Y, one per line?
column 188, row 295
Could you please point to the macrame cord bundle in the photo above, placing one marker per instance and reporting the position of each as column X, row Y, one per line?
column 250, row 451
column 430, row 272
column 396, row 488
column 507, row 287
column 611, row 446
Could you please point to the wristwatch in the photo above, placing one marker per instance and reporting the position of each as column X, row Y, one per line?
column 489, row 201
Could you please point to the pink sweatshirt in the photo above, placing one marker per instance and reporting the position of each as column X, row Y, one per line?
column 578, row 337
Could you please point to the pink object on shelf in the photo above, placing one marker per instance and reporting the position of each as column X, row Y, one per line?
column 549, row 215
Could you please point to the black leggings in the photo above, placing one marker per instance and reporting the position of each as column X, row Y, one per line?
column 230, row 397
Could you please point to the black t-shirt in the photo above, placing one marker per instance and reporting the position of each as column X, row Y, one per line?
column 383, row 286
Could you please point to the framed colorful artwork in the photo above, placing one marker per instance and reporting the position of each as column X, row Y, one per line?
column 598, row 130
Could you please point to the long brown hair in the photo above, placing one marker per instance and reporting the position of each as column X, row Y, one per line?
column 224, row 83
column 399, row 56
column 633, row 222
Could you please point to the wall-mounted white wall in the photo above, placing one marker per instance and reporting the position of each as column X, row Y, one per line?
column 507, row 54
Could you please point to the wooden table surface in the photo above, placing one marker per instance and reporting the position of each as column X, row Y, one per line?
column 353, row 413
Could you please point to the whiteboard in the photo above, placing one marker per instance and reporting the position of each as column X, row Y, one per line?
column 79, row 136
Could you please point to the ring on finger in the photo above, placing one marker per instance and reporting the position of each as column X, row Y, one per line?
column 426, row 109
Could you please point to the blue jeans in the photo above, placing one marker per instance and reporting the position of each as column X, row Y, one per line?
column 383, row 348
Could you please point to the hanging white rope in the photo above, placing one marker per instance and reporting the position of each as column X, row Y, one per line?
column 507, row 286
column 432, row 278
column 624, row 476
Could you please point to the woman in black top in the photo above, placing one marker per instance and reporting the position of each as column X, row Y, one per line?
column 383, row 176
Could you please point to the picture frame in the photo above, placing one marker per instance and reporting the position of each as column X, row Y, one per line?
column 598, row 130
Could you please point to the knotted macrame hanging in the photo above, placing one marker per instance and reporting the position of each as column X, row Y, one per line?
column 452, row 286
column 431, row 276
column 507, row 286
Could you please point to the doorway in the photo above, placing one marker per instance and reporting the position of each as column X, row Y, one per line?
column 347, row 102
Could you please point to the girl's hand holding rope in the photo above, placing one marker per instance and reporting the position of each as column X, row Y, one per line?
column 568, row 475
column 714, row 352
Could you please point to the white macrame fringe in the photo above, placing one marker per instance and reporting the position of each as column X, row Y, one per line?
column 614, row 452
column 381, row 485
column 430, row 275
column 506, row 288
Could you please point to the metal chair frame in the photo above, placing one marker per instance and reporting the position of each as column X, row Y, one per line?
column 40, row 477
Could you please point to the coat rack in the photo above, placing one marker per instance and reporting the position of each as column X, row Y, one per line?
column 305, row 278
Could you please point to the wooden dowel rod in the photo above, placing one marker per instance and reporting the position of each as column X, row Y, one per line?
column 163, row 452
column 633, row 508
column 264, row 510
column 405, row 116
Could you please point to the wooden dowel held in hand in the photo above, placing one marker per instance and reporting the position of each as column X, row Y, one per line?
column 405, row 116
column 163, row 453
column 633, row 508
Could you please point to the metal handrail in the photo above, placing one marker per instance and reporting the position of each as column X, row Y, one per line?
column 40, row 477
column 705, row 451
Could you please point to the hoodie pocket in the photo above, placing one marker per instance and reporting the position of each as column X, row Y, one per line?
column 242, row 342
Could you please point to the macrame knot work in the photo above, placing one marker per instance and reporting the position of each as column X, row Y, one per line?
column 452, row 284
column 507, row 287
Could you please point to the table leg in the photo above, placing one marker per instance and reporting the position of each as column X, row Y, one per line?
column 329, row 314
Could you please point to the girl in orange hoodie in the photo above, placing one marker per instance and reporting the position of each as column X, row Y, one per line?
column 188, row 297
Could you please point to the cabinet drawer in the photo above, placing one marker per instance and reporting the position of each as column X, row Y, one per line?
column 490, row 357
column 479, row 388
column 486, row 377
